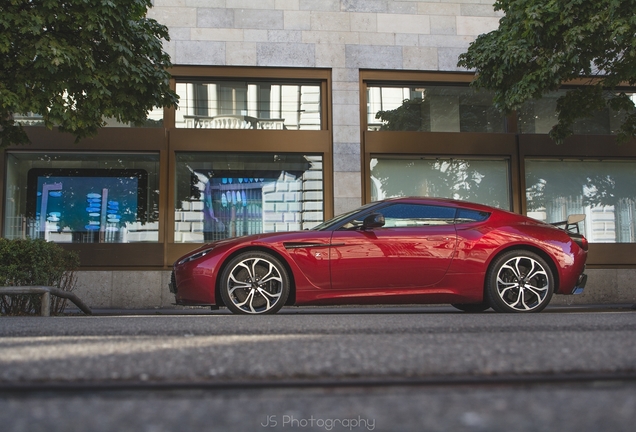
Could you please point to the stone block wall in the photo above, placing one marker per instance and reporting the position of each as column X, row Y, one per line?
column 149, row 289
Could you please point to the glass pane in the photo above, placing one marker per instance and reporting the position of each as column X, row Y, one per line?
column 29, row 119
column 82, row 197
column 538, row 116
column 154, row 119
column 476, row 180
column 249, row 105
column 468, row 216
column 413, row 215
column 222, row 195
column 602, row 190
column 432, row 109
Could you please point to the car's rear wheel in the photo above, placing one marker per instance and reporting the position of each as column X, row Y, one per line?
column 519, row 281
column 254, row 283
column 471, row 307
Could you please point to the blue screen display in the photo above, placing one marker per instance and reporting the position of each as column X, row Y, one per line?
column 84, row 201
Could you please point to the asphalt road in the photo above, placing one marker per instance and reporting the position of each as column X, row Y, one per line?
column 393, row 369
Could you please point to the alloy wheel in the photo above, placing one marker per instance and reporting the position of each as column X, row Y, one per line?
column 523, row 283
column 255, row 285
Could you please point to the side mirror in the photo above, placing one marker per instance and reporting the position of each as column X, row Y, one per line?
column 374, row 220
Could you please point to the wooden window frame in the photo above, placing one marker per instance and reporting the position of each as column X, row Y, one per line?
column 108, row 140
column 431, row 144
column 249, row 141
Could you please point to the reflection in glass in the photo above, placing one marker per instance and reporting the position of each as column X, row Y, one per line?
column 248, row 105
column 476, row 180
column 154, row 119
column 539, row 116
column 432, row 109
column 223, row 195
column 29, row 119
column 82, row 197
column 603, row 190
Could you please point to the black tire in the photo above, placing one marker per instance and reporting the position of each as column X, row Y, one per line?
column 471, row 307
column 519, row 281
column 254, row 283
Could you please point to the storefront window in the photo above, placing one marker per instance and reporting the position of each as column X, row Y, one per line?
column 223, row 195
column 248, row 105
column 539, row 116
column 82, row 197
column 477, row 180
column 602, row 190
column 432, row 109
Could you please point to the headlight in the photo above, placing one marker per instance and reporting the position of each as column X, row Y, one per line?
column 195, row 256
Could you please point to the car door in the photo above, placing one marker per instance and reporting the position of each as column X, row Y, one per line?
column 413, row 249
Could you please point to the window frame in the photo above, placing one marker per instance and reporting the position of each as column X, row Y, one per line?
column 319, row 142
column 122, row 140
column 414, row 144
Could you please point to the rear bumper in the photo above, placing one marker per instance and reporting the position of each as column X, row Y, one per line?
column 580, row 284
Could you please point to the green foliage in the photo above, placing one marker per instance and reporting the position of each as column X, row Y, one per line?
column 76, row 62
column 541, row 44
column 34, row 262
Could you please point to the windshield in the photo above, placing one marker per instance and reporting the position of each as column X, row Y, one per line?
column 340, row 218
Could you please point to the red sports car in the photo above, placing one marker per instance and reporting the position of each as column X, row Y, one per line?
column 397, row 251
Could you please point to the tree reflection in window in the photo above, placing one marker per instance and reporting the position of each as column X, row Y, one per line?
column 482, row 181
column 603, row 190
column 432, row 109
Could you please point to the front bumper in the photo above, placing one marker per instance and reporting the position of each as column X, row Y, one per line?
column 172, row 286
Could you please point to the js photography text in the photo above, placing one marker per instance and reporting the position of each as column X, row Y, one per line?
column 289, row 421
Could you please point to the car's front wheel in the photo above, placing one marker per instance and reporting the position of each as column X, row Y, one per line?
column 254, row 283
column 519, row 281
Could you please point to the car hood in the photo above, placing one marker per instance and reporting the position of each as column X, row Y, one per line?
column 254, row 238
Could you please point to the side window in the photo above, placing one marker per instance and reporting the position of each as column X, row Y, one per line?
column 467, row 216
column 415, row 215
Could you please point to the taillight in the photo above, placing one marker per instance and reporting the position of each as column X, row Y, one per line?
column 579, row 240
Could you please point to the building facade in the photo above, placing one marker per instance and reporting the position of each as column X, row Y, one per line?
column 293, row 111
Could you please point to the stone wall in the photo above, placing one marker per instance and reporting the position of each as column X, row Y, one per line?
column 125, row 289
column 149, row 289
